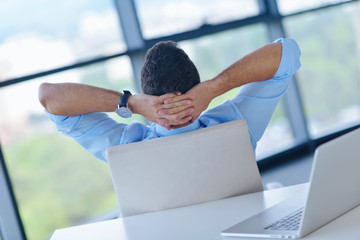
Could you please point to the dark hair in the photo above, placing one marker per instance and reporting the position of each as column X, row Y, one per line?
column 167, row 69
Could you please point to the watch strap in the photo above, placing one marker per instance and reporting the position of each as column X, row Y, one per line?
column 124, row 99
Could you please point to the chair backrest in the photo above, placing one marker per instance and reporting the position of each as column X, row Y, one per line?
column 203, row 165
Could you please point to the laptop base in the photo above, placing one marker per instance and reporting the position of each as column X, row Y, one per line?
column 255, row 226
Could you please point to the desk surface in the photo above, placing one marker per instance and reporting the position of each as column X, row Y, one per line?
column 205, row 221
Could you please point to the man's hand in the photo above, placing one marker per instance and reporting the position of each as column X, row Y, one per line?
column 177, row 112
column 200, row 97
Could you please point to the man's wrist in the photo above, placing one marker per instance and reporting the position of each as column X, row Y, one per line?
column 214, row 88
column 132, row 103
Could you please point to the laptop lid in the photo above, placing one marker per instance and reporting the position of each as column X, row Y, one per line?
column 203, row 165
column 335, row 182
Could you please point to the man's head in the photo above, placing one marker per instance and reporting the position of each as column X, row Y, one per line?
column 167, row 69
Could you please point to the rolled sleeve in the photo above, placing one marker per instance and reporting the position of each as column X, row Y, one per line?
column 290, row 59
column 94, row 131
column 65, row 124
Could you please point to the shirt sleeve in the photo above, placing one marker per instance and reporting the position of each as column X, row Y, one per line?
column 94, row 131
column 257, row 100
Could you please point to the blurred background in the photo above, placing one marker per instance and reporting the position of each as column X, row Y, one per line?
column 54, row 183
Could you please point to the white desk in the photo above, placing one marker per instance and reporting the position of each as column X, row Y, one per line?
column 205, row 221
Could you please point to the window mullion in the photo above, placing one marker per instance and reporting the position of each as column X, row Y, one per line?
column 132, row 35
column 10, row 223
column 293, row 104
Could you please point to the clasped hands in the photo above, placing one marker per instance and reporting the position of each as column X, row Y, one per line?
column 172, row 110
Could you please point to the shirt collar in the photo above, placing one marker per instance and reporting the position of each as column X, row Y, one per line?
column 163, row 132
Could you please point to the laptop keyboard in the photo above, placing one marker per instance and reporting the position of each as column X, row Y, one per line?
column 291, row 222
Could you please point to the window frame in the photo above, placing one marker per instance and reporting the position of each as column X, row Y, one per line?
column 136, row 49
column 12, row 228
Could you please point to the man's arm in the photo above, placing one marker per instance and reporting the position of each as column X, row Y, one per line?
column 72, row 99
column 259, row 65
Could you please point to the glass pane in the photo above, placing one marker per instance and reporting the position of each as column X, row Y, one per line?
column 329, row 78
column 56, row 182
column 288, row 7
column 212, row 54
column 38, row 35
column 164, row 17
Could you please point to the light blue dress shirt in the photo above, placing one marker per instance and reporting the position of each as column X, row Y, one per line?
column 255, row 103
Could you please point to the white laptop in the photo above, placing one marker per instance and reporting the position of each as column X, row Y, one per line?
column 334, row 190
column 203, row 165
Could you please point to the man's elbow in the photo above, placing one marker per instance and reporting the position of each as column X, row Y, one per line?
column 45, row 94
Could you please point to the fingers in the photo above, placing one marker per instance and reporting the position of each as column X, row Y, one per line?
column 179, row 115
column 172, row 101
column 181, row 121
column 164, row 122
column 168, row 123
column 171, row 97
column 162, row 98
column 175, row 99
column 174, row 107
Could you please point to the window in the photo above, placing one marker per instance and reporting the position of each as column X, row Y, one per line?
column 164, row 17
column 329, row 78
column 39, row 35
column 214, row 53
column 288, row 7
column 56, row 182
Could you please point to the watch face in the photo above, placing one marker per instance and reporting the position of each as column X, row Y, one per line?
column 124, row 112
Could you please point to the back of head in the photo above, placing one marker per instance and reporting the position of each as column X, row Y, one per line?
column 167, row 69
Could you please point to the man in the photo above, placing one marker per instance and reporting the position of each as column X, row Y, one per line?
column 174, row 97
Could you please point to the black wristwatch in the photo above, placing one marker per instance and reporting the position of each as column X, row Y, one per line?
column 122, row 109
